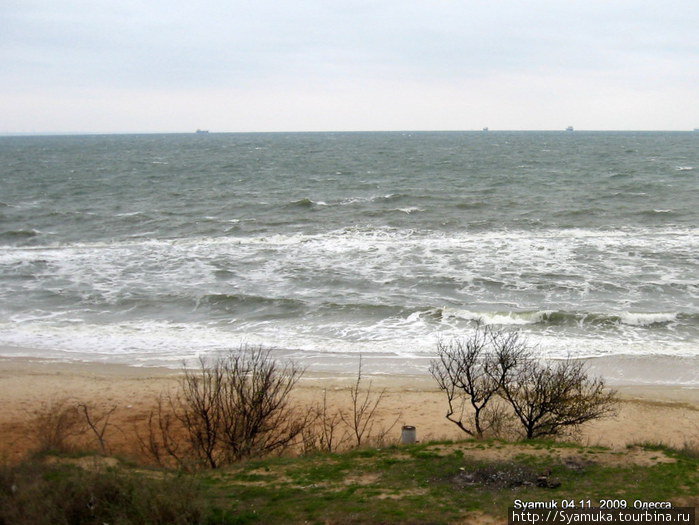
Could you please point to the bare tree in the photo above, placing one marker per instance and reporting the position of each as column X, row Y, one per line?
column 546, row 399
column 470, row 372
column 549, row 399
column 365, row 402
column 461, row 373
column 509, row 353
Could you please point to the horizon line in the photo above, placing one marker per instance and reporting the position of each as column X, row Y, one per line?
column 209, row 132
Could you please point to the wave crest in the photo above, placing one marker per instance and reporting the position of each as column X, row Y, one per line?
column 561, row 318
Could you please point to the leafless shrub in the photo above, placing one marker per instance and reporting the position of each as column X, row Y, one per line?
column 162, row 442
column 545, row 399
column 329, row 421
column 362, row 417
column 333, row 429
column 55, row 424
column 257, row 418
column 239, row 406
column 199, row 406
column 550, row 399
column 509, row 353
column 326, row 432
column 234, row 407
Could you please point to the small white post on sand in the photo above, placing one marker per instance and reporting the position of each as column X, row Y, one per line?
column 408, row 435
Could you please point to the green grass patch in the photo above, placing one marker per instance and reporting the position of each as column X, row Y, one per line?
column 424, row 483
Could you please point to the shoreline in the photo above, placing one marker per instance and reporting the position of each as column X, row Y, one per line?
column 37, row 366
column 621, row 370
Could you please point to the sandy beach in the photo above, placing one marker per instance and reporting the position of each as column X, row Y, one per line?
column 659, row 414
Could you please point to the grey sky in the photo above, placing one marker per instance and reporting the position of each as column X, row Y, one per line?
column 111, row 66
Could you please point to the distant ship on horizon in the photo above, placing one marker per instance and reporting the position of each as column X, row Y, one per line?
column 201, row 131
column 570, row 128
column 485, row 128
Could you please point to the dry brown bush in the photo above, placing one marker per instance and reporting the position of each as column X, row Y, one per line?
column 550, row 399
column 65, row 425
column 258, row 418
column 162, row 439
column 228, row 409
column 56, row 425
column 234, row 407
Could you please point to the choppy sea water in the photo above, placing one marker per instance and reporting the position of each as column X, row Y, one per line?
column 156, row 248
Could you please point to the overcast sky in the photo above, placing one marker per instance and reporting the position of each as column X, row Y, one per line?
column 263, row 65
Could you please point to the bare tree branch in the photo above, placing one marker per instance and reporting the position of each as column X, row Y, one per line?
column 98, row 423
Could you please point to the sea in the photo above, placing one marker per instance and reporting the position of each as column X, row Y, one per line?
column 154, row 250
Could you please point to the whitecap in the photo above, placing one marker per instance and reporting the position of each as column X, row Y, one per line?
column 497, row 318
column 646, row 319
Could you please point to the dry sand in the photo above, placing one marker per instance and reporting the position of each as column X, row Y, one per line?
column 646, row 414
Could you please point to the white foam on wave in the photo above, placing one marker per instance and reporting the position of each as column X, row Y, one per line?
column 646, row 319
column 130, row 213
column 497, row 318
column 411, row 341
column 428, row 238
column 562, row 267
column 350, row 201
column 533, row 317
column 404, row 268
column 161, row 340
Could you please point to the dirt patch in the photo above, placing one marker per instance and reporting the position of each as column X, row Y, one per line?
column 361, row 479
column 402, row 494
column 573, row 457
column 687, row 501
column 84, row 462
